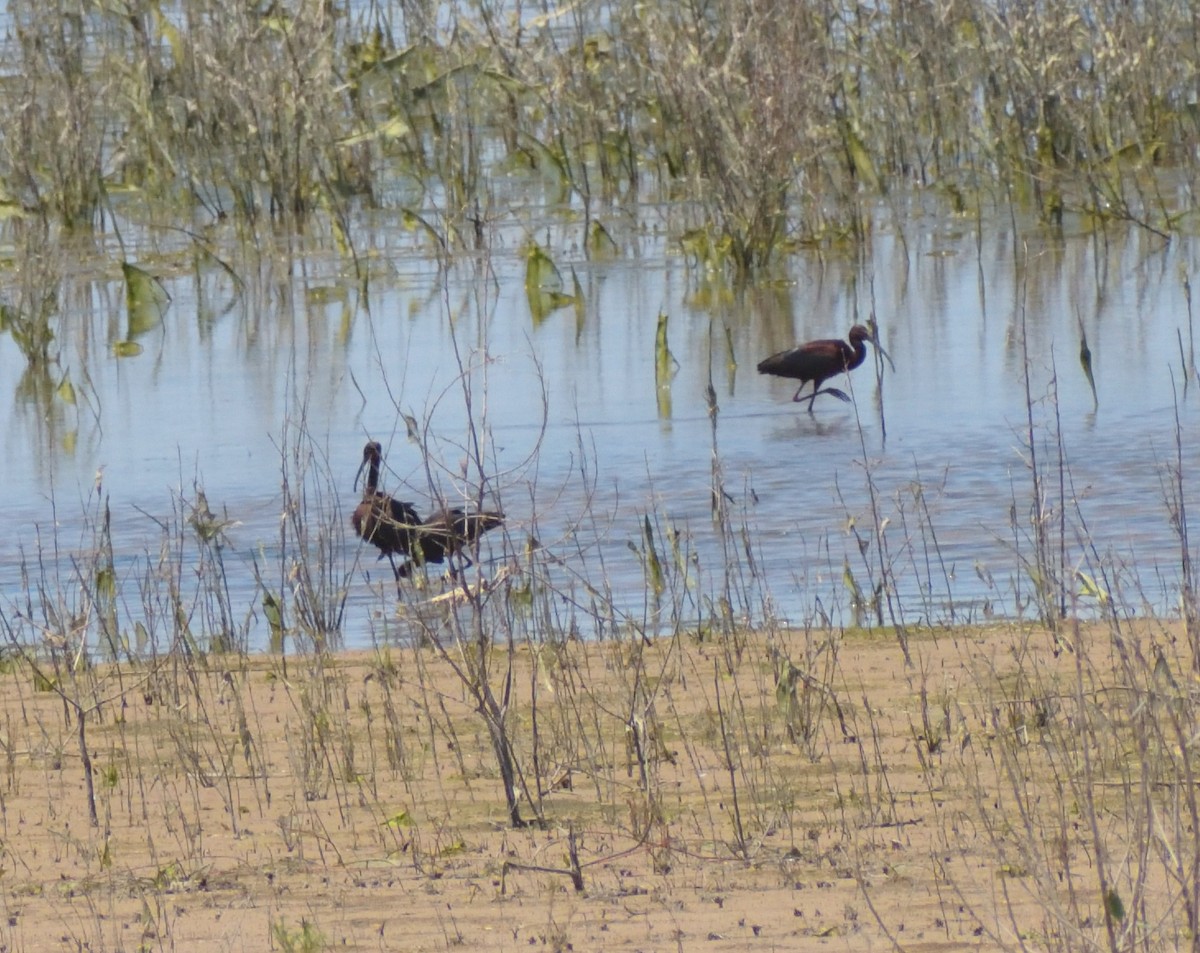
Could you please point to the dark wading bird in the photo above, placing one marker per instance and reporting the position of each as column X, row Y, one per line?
column 447, row 532
column 385, row 523
column 395, row 527
column 817, row 361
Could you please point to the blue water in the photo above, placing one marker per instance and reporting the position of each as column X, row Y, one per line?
column 579, row 443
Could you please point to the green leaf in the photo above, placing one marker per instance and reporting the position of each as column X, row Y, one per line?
column 1090, row 588
column 864, row 165
column 179, row 51
column 857, row 600
column 1114, row 906
column 541, row 273
column 580, row 309
column 653, row 564
column 785, row 688
column 146, row 300
column 141, row 638
column 1085, row 361
column 66, row 391
column 521, row 597
column 696, row 241
column 664, row 368
column 543, row 284
column 126, row 349
column 44, row 683
column 664, row 360
column 543, row 158
column 600, row 243
column 415, row 222
column 271, row 610
column 106, row 583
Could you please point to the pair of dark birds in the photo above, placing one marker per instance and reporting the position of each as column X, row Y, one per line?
column 394, row 527
column 817, row 361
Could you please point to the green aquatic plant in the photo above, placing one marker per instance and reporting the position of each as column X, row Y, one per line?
column 762, row 126
column 544, row 286
column 29, row 326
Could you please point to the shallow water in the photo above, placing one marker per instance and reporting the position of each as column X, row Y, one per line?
column 227, row 380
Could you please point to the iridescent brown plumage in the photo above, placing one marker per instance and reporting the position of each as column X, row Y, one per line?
column 817, row 361
column 394, row 527
column 387, row 524
column 447, row 532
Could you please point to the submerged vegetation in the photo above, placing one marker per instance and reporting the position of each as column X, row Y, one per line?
column 773, row 123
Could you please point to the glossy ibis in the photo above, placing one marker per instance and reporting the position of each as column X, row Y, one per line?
column 817, row 361
column 445, row 535
column 387, row 524
column 394, row 527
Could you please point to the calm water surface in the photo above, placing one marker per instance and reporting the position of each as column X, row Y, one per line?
column 228, row 380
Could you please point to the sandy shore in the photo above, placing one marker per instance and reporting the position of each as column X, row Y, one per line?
column 778, row 790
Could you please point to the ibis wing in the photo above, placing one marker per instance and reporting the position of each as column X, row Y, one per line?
column 816, row 359
column 447, row 530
